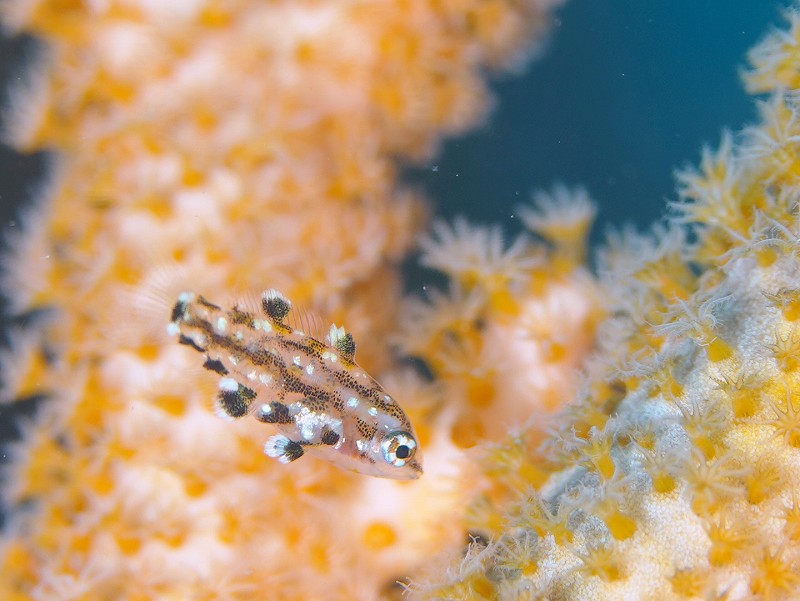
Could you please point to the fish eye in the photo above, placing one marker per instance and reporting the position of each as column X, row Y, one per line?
column 398, row 447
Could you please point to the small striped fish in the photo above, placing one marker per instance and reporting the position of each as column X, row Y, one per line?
column 314, row 392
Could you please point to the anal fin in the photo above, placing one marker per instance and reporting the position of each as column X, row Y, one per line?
column 283, row 449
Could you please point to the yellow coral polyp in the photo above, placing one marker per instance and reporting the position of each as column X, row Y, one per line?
column 668, row 384
column 467, row 431
column 712, row 482
column 785, row 421
column 792, row 520
column 502, row 301
column 728, row 542
column 662, row 472
column 480, row 390
column 775, row 577
column 602, row 562
column 763, row 482
column 31, row 382
column 718, row 350
column 787, row 300
column 690, row 583
column 598, row 451
column 171, row 404
column 545, row 522
column 785, row 349
column 620, row 525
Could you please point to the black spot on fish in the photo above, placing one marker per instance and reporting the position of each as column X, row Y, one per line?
column 239, row 317
column 236, row 403
column 277, row 413
column 346, row 346
column 177, row 311
column 329, row 437
column 216, row 366
column 275, row 306
column 292, row 450
column 207, row 304
column 183, row 339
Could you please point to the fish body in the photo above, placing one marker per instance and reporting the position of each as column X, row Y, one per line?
column 313, row 392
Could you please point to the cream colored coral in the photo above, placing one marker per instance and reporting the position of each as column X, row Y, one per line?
column 518, row 318
column 674, row 473
column 225, row 147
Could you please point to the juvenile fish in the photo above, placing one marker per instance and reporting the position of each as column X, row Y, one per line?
column 313, row 392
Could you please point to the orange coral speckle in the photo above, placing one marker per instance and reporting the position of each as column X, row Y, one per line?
column 195, row 485
column 467, row 432
column 171, row 404
column 379, row 535
column 128, row 544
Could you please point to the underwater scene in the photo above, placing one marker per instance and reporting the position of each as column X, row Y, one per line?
column 461, row 300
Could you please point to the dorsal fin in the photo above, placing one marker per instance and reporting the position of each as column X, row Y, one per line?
column 343, row 342
column 306, row 322
column 281, row 310
column 275, row 305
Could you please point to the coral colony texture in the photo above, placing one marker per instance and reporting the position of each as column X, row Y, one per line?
column 675, row 472
column 630, row 435
column 228, row 148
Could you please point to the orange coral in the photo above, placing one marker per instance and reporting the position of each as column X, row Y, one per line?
column 224, row 147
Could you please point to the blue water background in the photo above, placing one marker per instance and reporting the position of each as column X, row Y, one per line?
column 623, row 94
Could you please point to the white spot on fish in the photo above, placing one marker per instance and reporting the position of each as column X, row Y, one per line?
column 222, row 325
column 228, row 384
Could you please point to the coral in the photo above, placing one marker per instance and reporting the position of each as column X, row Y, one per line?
column 224, row 147
column 504, row 340
column 674, row 472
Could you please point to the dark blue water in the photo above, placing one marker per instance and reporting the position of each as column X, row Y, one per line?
column 625, row 93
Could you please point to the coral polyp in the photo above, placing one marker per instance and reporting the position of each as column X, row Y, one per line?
column 674, row 471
